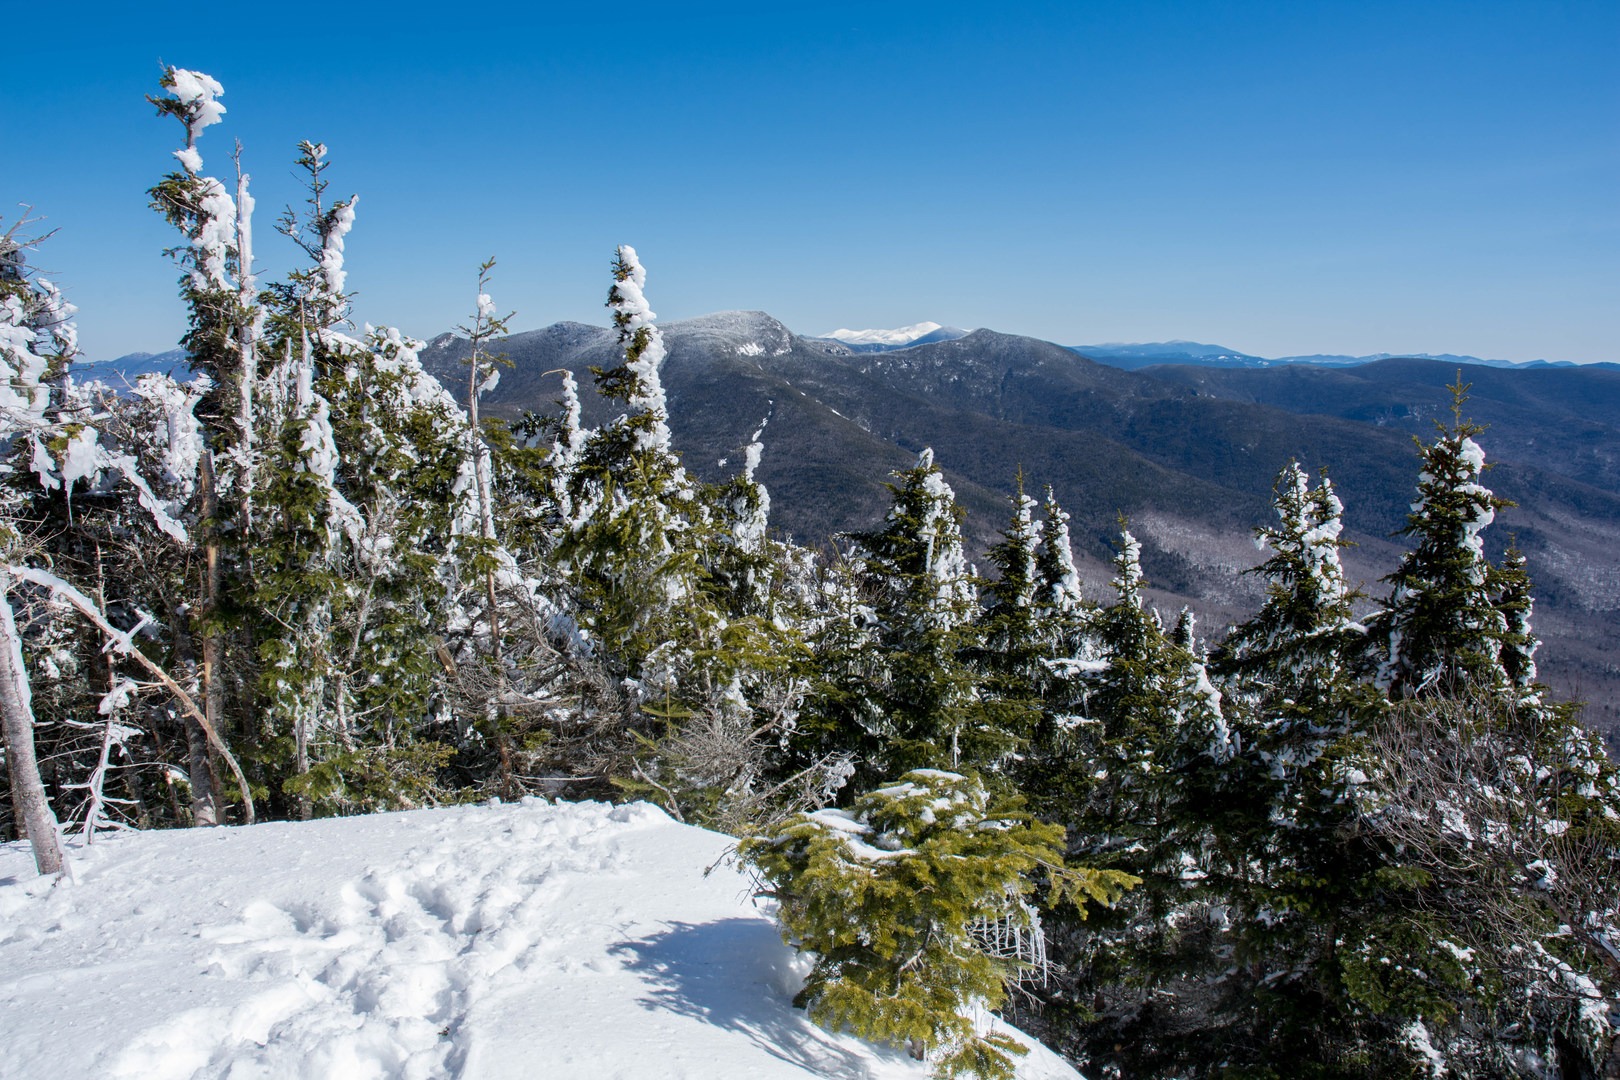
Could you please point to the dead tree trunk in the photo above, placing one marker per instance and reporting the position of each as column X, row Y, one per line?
column 28, row 800
column 204, row 806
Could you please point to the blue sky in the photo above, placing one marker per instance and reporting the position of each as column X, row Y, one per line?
column 1280, row 178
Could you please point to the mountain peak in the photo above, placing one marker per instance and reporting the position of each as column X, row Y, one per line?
column 904, row 337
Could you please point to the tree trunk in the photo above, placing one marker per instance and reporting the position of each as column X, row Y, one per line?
column 213, row 675
column 32, row 809
column 204, row 806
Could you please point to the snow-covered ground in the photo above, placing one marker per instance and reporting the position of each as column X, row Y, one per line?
column 531, row 940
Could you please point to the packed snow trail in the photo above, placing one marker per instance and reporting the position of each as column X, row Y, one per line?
column 559, row 941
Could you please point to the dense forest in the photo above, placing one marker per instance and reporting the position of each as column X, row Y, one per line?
column 308, row 581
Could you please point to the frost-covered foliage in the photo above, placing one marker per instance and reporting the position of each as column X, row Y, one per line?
column 635, row 517
column 1440, row 625
column 888, row 897
column 913, row 699
column 1506, row 820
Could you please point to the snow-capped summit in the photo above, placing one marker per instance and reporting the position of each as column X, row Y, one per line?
column 903, row 336
column 738, row 333
column 906, row 336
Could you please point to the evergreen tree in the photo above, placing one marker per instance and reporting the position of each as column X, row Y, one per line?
column 1139, row 773
column 1057, row 592
column 1441, row 627
column 1014, row 641
column 913, row 902
column 222, row 349
column 919, row 703
column 1517, row 605
column 633, row 536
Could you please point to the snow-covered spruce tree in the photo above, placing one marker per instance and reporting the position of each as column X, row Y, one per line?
column 631, row 544
column 1026, row 621
column 1067, row 650
column 217, row 286
column 1269, row 815
column 913, row 904
column 917, row 701
column 680, row 590
column 1062, row 613
column 305, row 521
column 1515, row 600
column 1440, row 627
column 398, row 436
column 1139, row 775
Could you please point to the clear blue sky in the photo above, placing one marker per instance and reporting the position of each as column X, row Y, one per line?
column 1281, row 178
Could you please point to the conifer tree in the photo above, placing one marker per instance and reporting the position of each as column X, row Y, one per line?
column 913, row 902
column 1138, row 774
column 631, row 542
column 1057, row 592
column 924, row 706
column 1014, row 642
column 1515, row 601
column 1440, row 627
column 222, row 348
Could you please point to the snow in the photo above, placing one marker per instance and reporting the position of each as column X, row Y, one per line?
column 338, row 225
column 533, row 939
column 903, row 336
column 201, row 93
column 1417, row 1037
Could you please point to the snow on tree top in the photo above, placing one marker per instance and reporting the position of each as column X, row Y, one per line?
column 201, row 94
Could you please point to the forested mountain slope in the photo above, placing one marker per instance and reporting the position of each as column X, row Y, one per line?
column 1187, row 453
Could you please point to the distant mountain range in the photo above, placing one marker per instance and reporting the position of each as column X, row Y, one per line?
column 1133, row 357
column 130, row 366
column 1130, row 356
column 905, row 337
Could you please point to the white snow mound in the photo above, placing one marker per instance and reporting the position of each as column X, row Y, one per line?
column 535, row 940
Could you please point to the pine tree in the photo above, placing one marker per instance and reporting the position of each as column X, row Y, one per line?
column 1140, row 774
column 922, row 705
column 1014, row 640
column 222, row 348
column 1440, row 627
column 631, row 545
column 1297, row 652
column 1061, row 607
column 1515, row 601
column 1299, row 873
column 903, row 900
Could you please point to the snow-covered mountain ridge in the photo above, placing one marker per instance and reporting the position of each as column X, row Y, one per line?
column 559, row 940
column 905, row 337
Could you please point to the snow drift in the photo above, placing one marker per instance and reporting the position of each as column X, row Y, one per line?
column 560, row 941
